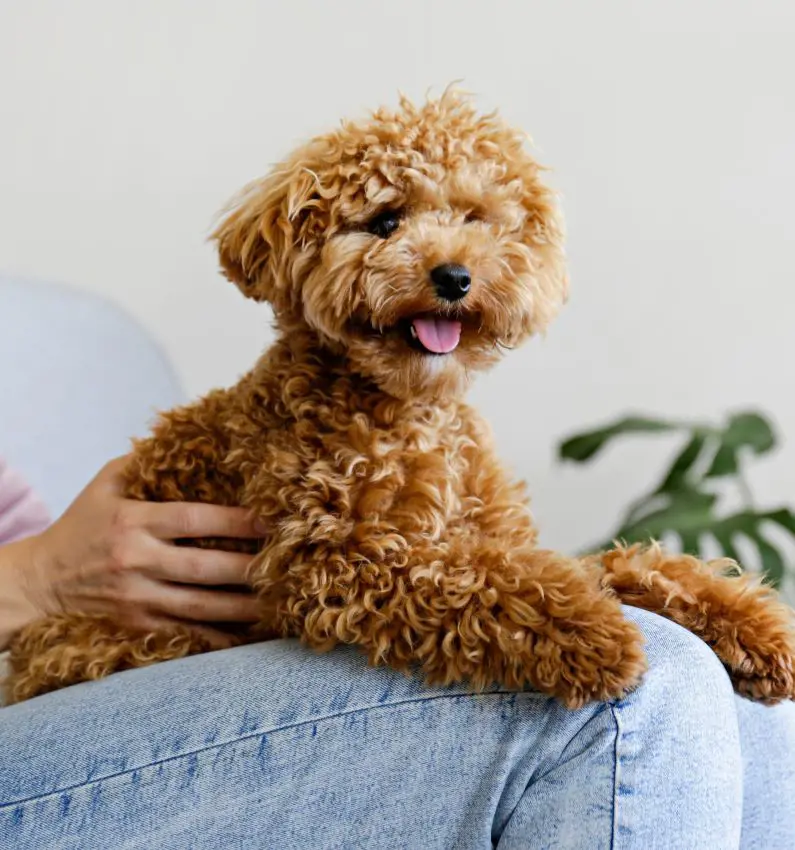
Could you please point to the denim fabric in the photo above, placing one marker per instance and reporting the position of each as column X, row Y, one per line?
column 273, row 746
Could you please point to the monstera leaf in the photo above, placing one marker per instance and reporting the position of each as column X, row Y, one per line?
column 684, row 505
column 677, row 475
column 694, row 523
column 744, row 431
column 583, row 447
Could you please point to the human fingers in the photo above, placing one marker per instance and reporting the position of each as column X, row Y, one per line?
column 174, row 520
column 215, row 638
column 202, row 605
column 191, row 565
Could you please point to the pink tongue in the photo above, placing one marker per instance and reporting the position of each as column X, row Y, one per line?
column 438, row 335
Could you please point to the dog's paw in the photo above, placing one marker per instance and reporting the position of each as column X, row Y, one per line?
column 774, row 683
column 754, row 637
column 601, row 659
column 760, row 656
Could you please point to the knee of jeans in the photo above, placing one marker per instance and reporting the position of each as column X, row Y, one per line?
column 680, row 661
column 761, row 724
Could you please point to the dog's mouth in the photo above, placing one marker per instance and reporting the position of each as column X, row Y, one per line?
column 431, row 333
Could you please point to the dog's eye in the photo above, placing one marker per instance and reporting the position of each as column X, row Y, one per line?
column 385, row 223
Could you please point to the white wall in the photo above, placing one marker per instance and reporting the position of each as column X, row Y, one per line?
column 671, row 127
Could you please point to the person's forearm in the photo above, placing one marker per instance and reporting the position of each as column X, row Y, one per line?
column 16, row 610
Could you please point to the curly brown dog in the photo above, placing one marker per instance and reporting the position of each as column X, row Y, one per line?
column 401, row 256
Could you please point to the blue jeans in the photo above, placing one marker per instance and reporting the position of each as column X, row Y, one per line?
column 273, row 746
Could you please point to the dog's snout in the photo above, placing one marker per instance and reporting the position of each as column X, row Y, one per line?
column 452, row 281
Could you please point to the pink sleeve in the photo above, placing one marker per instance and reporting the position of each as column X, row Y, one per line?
column 22, row 513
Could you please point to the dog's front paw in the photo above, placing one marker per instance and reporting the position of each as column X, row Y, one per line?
column 773, row 684
column 759, row 653
column 600, row 658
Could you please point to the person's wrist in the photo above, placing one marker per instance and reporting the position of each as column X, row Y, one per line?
column 41, row 567
column 20, row 564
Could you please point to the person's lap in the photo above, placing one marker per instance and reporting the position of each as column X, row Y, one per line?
column 271, row 745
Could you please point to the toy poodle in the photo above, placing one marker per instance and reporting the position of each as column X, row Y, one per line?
column 401, row 256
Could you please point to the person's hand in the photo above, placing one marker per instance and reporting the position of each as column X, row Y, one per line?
column 116, row 556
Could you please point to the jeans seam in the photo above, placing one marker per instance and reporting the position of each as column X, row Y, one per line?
column 260, row 732
column 616, row 775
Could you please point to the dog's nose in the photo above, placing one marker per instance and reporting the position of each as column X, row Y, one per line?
column 452, row 281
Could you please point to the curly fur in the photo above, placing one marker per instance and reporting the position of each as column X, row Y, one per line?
column 392, row 523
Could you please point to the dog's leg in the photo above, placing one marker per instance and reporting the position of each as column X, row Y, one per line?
column 480, row 604
column 750, row 630
column 67, row 649
column 475, row 613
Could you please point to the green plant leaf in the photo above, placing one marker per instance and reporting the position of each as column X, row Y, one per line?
column 726, row 544
column 643, row 507
column 582, row 447
column 676, row 477
column 783, row 517
column 752, row 430
column 724, row 463
column 690, row 542
column 770, row 560
column 747, row 522
column 688, row 515
column 743, row 431
column 678, row 507
column 683, row 512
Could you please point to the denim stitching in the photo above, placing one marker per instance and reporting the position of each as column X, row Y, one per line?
column 616, row 776
column 261, row 732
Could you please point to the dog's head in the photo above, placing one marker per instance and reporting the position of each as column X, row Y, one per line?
column 419, row 244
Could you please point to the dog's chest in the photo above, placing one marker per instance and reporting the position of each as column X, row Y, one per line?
column 407, row 474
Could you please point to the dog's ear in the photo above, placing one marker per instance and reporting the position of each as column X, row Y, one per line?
column 543, row 233
column 261, row 229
